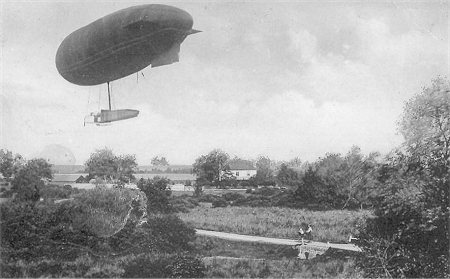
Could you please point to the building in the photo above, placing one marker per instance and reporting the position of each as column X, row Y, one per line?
column 242, row 169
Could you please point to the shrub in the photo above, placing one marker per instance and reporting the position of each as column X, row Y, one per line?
column 104, row 212
column 183, row 203
column 164, row 233
column 233, row 196
column 52, row 191
column 220, row 203
column 164, row 266
column 29, row 178
column 209, row 198
column 158, row 193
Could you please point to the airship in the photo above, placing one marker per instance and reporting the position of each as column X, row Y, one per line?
column 121, row 44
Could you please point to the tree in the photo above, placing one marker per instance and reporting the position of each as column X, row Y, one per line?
column 264, row 172
column 104, row 164
column 409, row 235
column 210, row 168
column 158, row 194
column 287, row 176
column 10, row 164
column 356, row 176
column 126, row 167
column 295, row 162
column 30, row 178
column 156, row 161
column 425, row 124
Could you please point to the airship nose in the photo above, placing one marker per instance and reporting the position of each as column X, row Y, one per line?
column 193, row 31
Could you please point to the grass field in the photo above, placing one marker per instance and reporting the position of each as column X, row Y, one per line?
column 286, row 268
column 230, row 259
column 332, row 225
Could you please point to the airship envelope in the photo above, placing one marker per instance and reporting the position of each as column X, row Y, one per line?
column 123, row 43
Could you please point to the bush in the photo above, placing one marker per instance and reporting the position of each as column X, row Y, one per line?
column 29, row 178
column 104, row 212
column 220, row 203
column 233, row 196
column 183, row 203
column 57, row 192
column 209, row 198
column 164, row 266
column 90, row 236
column 158, row 193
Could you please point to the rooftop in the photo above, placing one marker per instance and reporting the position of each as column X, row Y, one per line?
column 241, row 165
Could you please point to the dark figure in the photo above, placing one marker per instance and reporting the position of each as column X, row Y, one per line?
column 309, row 232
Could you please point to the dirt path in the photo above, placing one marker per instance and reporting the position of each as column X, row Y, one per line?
column 279, row 241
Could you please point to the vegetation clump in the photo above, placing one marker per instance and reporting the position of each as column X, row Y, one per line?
column 102, row 232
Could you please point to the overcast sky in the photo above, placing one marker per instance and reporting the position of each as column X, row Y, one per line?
column 282, row 79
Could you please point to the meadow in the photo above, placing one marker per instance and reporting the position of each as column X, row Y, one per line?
column 217, row 267
column 330, row 225
column 233, row 259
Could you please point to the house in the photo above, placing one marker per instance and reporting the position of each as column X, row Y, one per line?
column 242, row 169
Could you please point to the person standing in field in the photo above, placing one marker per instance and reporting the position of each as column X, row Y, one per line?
column 301, row 233
column 309, row 232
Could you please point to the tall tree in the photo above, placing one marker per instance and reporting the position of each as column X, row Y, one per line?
column 356, row 175
column 9, row 163
column 104, row 164
column 409, row 235
column 210, row 168
column 30, row 178
column 156, row 161
column 287, row 176
column 126, row 167
column 425, row 124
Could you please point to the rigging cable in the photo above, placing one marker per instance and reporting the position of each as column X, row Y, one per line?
column 99, row 95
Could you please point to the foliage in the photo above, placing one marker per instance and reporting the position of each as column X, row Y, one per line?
column 104, row 212
column 30, row 177
column 287, row 176
column 46, row 239
column 156, row 161
column 264, row 172
column 165, row 233
column 9, row 163
column 183, row 203
column 425, row 124
column 220, row 203
column 210, row 168
column 158, row 194
column 340, row 182
column 52, row 191
column 104, row 164
column 409, row 235
column 164, row 266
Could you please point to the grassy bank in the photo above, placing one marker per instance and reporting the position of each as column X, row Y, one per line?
column 332, row 225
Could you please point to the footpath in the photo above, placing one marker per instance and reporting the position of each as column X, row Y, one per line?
column 279, row 241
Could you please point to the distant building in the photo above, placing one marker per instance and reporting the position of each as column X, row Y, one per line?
column 242, row 169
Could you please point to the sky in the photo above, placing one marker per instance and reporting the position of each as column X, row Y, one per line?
column 281, row 79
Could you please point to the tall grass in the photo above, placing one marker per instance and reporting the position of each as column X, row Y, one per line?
column 333, row 225
column 251, row 268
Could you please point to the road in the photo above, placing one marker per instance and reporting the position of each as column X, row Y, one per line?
column 279, row 241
